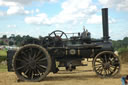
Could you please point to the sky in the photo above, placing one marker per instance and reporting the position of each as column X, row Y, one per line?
column 41, row 17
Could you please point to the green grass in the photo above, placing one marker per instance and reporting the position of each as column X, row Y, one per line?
column 3, row 68
column 3, row 56
column 122, row 50
column 3, row 53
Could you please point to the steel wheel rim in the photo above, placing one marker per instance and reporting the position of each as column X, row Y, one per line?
column 55, row 35
column 34, row 65
column 106, row 64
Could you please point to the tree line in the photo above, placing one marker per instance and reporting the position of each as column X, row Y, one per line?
column 17, row 40
column 118, row 44
column 13, row 39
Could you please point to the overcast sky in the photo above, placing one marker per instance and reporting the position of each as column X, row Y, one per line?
column 40, row 17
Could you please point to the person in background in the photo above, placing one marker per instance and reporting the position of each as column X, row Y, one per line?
column 124, row 80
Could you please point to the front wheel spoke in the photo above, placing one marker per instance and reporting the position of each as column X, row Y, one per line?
column 112, row 66
column 112, row 59
column 99, row 68
column 101, row 71
column 110, row 70
column 105, row 58
column 116, row 64
column 105, row 72
column 98, row 65
column 99, row 61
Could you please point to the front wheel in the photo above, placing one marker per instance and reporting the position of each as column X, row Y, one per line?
column 32, row 63
column 106, row 64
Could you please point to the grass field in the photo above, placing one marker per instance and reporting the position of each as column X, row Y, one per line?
column 81, row 76
column 3, row 68
column 3, row 55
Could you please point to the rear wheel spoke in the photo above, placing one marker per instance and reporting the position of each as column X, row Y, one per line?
column 32, row 76
column 22, row 61
column 41, row 69
column 39, row 72
column 43, row 66
column 25, row 59
column 29, row 74
column 38, row 58
column 43, row 59
column 39, row 52
column 34, row 56
column 21, row 67
column 24, row 53
column 27, row 70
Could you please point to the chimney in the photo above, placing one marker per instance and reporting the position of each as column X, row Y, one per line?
column 105, row 24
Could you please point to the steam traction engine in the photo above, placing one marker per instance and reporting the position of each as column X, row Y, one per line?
column 37, row 58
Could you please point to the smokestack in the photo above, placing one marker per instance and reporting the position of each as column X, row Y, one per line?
column 105, row 24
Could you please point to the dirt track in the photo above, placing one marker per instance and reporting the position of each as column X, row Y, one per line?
column 82, row 76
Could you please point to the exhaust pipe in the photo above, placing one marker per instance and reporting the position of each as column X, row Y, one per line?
column 105, row 24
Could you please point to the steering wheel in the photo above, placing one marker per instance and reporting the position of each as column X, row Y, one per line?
column 58, row 34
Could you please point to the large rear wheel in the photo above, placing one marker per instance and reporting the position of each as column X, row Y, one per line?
column 32, row 63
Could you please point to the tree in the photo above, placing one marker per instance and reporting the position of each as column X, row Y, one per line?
column 12, row 36
column 18, row 40
column 120, row 43
column 4, row 37
column 2, row 42
column 11, row 43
